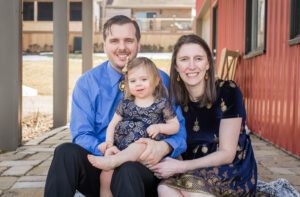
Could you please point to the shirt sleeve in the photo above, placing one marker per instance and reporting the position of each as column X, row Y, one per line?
column 177, row 141
column 119, row 109
column 83, row 119
column 231, row 103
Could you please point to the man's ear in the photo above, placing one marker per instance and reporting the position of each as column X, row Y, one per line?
column 104, row 46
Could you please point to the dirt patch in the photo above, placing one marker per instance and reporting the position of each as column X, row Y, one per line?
column 35, row 125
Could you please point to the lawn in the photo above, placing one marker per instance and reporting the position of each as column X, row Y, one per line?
column 39, row 74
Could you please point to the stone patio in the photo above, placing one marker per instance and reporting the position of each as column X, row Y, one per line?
column 23, row 172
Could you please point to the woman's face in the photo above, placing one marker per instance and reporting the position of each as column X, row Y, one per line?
column 192, row 64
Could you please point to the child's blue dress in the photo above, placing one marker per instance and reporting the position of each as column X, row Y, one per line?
column 137, row 119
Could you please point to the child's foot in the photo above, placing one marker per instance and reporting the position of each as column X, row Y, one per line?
column 104, row 163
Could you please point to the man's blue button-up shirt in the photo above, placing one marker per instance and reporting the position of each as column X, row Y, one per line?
column 94, row 100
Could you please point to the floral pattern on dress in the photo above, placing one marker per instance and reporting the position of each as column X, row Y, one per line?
column 137, row 119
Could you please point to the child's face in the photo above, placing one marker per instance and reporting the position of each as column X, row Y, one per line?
column 140, row 83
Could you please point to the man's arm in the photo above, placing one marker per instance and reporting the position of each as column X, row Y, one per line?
column 176, row 142
column 82, row 122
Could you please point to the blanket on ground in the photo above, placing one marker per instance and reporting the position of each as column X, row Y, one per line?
column 278, row 188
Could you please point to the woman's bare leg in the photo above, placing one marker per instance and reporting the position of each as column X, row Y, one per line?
column 164, row 190
column 131, row 153
column 194, row 194
column 105, row 179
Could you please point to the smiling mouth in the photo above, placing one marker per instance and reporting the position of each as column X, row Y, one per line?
column 139, row 90
column 123, row 56
column 192, row 74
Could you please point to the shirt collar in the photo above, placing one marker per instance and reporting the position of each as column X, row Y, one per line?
column 113, row 74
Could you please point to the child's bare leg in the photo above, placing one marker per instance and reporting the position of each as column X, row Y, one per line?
column 105, row 179
column 131, row 153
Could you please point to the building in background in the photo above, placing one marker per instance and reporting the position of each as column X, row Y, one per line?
column 267, row 34
column 38, row 24
column 161, row 22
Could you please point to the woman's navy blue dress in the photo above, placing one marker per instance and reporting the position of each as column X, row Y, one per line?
column 202, row 123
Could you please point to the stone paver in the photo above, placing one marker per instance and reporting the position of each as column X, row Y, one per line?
column 17, row 171
column 20, row 185
column 33, row 159
column 32, row 179
column 39, row 156
column 46, row 163
column 276, row 170
column 14, row 155
column 32, row 192
column 3, row 168
column 7, row 182
column 20, row 163
column 39, row 170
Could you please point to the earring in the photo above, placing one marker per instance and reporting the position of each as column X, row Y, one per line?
column 206, row 76
column 178, row 78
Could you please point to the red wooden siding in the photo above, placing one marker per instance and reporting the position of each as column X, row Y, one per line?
column 270, row 82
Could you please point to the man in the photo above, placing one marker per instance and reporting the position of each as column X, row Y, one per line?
column 95, row 98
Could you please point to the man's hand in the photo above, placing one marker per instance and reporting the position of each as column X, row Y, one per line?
column 104, row 146
column 112, row 151
column 154, row 152
column 153, row 130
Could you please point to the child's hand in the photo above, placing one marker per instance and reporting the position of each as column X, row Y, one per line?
column 153, row 130
column 104, row 146
column 111, row 151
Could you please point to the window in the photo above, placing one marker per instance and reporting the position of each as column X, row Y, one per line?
column 295, row 22
column 145, row 20
column 28, row 11
column 45, row 11
column 75, row 11
column 255, row 27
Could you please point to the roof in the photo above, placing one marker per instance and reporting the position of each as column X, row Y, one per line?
column 154, row 3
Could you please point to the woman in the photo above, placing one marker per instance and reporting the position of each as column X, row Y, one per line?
column 219, row 160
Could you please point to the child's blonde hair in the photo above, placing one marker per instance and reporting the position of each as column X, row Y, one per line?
column 155, row 79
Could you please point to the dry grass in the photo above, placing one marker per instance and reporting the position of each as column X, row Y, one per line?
column 39, row 74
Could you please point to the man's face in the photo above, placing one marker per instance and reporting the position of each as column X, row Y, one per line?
column 121, row 42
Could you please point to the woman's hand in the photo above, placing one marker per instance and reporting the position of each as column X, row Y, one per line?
column 168, row 167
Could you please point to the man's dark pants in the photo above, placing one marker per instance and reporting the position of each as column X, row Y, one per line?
column 70, row 170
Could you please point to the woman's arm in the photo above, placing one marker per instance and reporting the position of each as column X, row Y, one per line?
column 169, row 128
column 228, row 140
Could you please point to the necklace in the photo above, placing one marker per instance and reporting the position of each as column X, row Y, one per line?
column 194, row 100
column 196, row 126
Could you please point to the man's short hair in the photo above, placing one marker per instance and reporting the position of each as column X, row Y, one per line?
column 120, row 20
